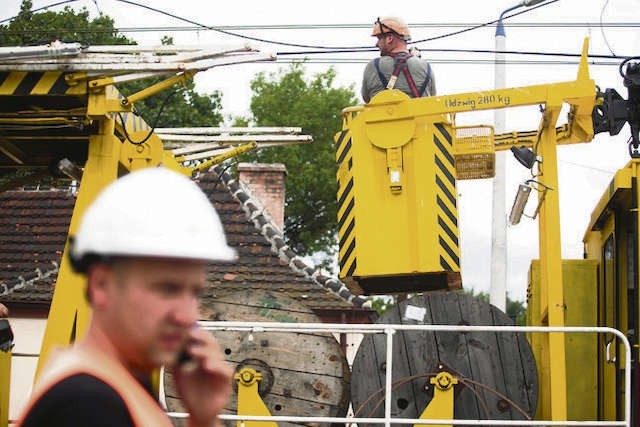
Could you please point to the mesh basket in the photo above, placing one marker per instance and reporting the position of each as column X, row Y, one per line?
column 474, row 152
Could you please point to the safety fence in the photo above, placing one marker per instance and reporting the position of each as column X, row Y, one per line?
column 389, row 330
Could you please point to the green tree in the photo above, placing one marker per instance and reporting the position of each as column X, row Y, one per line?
column 289, row 99
column 29, row 28
column 516, row 310
column 182, row 107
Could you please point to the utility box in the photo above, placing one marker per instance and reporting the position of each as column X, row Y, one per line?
column 580, row 283
column 397, row 200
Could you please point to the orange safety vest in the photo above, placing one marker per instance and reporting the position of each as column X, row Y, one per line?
column 144, row 410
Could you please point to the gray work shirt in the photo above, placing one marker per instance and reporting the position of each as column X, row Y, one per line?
column 371, row 83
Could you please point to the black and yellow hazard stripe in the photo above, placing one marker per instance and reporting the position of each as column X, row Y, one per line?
column 346, row 203
column 21, row 83
column 449, row 248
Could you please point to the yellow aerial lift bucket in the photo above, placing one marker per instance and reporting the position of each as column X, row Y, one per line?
column 397, row 214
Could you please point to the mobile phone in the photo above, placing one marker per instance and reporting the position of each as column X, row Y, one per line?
column 184, row 357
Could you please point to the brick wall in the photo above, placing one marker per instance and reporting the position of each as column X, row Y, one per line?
column 266, row 181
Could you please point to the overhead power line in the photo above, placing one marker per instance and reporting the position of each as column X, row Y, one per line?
column 475, row 27
column 435, row 50
column 60, row 3
column 331, row 27
column 457, row 61
column 281, row 43
column 328, row 49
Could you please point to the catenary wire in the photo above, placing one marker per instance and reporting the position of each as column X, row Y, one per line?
column 604, row 36
column 475, row 27
column 367, row 48
column 487, row 51
column 440, row 61
column 276, row 27
column 326, row 49
column 130, row 2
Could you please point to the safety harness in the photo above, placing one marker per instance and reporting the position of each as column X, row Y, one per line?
column 400, row 65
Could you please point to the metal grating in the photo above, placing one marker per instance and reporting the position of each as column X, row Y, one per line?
column 474, row 152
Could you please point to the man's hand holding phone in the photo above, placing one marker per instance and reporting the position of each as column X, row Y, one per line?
column 203, row 378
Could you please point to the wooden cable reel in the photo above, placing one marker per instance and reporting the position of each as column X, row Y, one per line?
column 497, row 371
column 304, row 374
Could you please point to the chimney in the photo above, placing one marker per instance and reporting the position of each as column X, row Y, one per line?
column 266, row 181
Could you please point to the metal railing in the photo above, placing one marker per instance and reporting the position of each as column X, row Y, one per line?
column 389, row 330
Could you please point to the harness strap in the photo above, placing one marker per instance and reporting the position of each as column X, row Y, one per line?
column 427, row 79
column 400, row 64
column 412, row 84
column 383, row 79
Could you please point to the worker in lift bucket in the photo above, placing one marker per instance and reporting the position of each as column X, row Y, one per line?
column 144, row 245
column 397, row 67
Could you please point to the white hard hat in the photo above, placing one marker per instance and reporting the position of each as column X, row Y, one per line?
column 150, row 213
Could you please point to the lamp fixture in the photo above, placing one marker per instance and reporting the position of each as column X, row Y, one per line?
column 519, row 203
column 524, row 155
column 70, row 169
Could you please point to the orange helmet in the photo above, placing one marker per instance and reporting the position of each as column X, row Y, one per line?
column 391, row 24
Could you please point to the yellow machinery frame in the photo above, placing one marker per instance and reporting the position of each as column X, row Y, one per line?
column 108, row 157
column 392, row 107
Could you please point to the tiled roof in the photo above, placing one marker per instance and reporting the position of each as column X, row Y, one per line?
column 34, row 225
column 263, row 248
column 33, row 231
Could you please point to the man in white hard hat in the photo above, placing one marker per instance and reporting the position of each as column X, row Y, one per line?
column 144, row 245
column 397, row 67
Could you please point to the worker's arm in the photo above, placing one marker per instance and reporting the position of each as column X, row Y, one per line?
column 431, row 86
column 369, row 82
column 204, row 383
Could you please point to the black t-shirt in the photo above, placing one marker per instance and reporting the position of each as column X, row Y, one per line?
column 80, row 400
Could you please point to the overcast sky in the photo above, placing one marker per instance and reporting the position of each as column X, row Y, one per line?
column 585, row 169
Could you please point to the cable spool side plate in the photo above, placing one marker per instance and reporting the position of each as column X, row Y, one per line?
column 304, row 374
column 502, row 362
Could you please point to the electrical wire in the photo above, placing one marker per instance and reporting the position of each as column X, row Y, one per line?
column 97, row 7
column 463, row 380
column 333, row 61
column 229, row 33
column 41, row 8
column 327, row 49
column 604, row 36
column 155, row 122
column 332, row 27
column 593, row 168
column 475, row 27
column 444, row 50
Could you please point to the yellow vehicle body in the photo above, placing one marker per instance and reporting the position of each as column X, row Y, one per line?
column 386, row 219
column 398, row 162
column 612, row 240
column 396, row 179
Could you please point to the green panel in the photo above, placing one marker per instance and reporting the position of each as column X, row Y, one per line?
column 580, row 280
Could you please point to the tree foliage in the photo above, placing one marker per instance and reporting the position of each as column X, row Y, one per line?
column 516, row 310
column 68, row 25
column 183, row 107
column 289, row 99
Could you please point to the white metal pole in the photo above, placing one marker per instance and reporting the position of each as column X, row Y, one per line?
column 498, row 284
